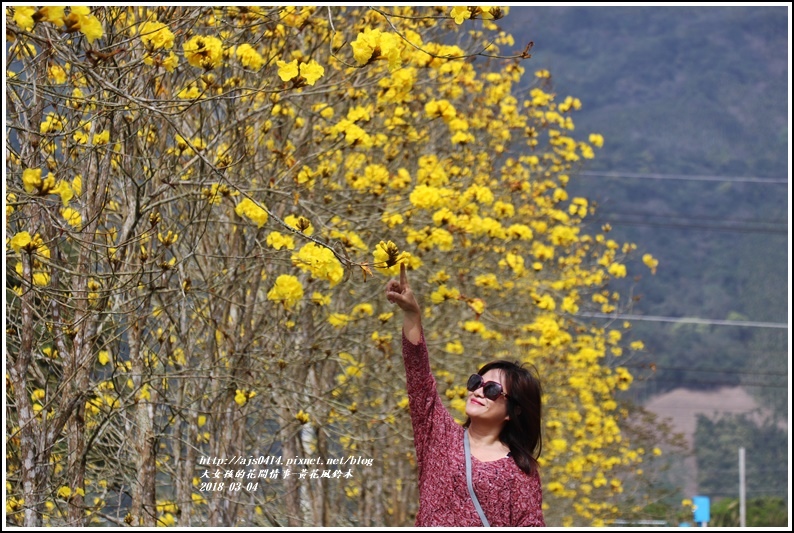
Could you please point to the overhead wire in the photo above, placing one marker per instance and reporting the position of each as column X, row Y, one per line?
column 688, row 320
column 684, row 177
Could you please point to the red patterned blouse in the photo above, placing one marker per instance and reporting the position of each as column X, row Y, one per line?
column 508, row 496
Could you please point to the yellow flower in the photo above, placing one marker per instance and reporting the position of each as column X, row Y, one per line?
column 249, row 57
column 102, row 137
column 392, row 219
column 440, row 109
column 444, row 293
column 559, row 445
column 301, row 224
column 251, row 210
column 286, row 289
column 597, row 140
column 515, row 262
column 189, row 93
column 454, row 347
column 168, row 238
column 31, row 179
column 460, row 13
column 319, row 299
column 338, row 320
column 56, row 74
column 320, row 262
column 617, row 270
column 287, row 71
column 203, row 51
column 387, row 257
column 555, row 487
column 170, row 62
column 49, row 352
column 64, row 492
column 53, row 14
column 302, row 417
column 64, row 190
column 477, row 305
column 278, row 241
column 364, row 46
column 362, row 309
column 20, row 240
column 311, row 71
column 624, row 378
column 23, row 16
column 474, row 326
column 650, row 262
column 353, row 371
column 72, row 217
column 103, row 357
column 240, row 397
column 52, row 123
column 156, row 35
column 80, row 18
column 166, row 520
column 426, row 197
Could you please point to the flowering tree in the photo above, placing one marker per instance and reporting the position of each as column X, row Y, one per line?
column 203, row 205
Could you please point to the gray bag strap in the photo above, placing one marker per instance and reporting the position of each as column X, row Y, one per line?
column 467, row 450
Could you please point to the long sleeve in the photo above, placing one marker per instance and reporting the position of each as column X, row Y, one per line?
column 429, row 418
column 528, row 501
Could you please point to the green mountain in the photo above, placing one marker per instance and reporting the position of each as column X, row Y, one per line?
column 692, row 103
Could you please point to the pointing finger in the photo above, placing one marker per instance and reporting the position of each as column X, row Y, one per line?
column 403, row 277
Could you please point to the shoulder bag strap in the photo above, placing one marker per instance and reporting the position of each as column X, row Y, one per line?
column 467, row 450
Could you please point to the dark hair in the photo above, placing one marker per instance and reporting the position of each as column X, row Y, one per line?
column 521, row 432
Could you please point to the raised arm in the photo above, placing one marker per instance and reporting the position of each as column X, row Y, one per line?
column 400, row 293
column 428, row 415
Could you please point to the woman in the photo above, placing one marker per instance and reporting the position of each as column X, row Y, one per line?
column 503, row 433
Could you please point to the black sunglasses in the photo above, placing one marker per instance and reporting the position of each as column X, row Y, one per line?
column 490, row 389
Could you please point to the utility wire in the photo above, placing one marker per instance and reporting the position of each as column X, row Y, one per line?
column 687, row 320
column 779, row 221
column 638, row 175
column 715, row 371
column 691, row 222
column 655, row 379
column 696, row 226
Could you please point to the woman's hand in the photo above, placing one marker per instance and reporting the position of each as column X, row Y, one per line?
column 400, row 293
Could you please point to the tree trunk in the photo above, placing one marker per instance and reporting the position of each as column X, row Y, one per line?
column 28, row 425
column 144, row 510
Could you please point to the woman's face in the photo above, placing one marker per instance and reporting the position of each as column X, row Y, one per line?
column 480, row 408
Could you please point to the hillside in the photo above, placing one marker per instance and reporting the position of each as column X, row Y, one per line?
column 678, row 92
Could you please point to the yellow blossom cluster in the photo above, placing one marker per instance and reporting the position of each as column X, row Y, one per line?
column 373, row 44
column 156, row 35
column 320, row 262
column 251, row 210
column 287, row 290
column 310, row 72
column 79, row 19
column 203, row 51
column 256, row 173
